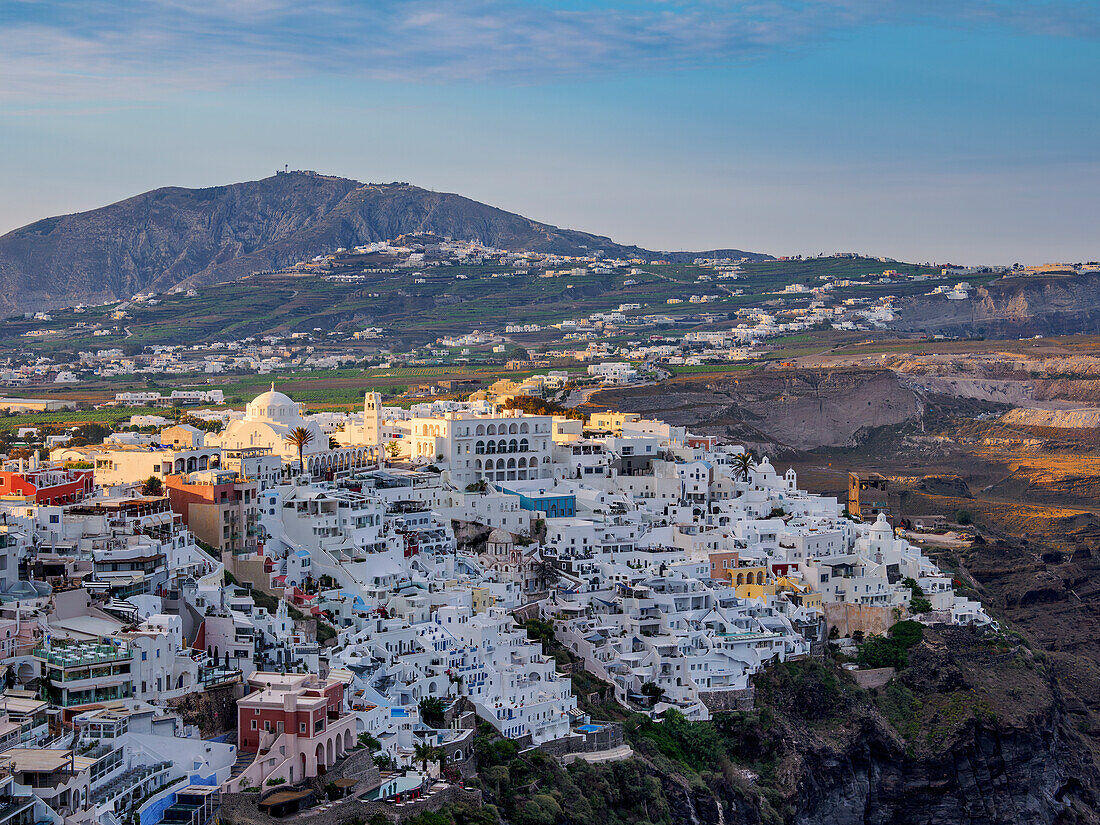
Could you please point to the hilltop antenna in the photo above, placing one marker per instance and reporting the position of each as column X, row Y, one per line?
column 286, row 167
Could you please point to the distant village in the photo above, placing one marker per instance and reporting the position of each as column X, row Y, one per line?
column 641, row 337
column 269, row 612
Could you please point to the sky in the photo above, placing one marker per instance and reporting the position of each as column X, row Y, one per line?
column 965, row 131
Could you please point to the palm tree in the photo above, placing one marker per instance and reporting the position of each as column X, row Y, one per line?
column 423, row 753
column 300, row 437
column 743, row 463
column 545, row 571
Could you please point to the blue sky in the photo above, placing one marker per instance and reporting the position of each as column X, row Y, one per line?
column 920, row 129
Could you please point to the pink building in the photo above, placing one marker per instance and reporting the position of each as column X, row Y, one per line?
column 9, row 638
column 297, row 726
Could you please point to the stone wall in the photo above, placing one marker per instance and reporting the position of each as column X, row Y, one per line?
column 720, row 700
column 567, row 744
column 240, row 809
column 873, row 678
column 849, row 618
column 213, row 711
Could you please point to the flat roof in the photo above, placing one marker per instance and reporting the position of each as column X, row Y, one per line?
column 19, row 704
column 40, row 760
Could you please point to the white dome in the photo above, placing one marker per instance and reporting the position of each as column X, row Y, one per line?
column 272, row 398
column 881, row 525
column 272, row 405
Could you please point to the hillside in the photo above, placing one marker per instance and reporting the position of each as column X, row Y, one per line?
column 1038, row 305
column 173, row 236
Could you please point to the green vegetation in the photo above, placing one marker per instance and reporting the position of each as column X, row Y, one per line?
column 537, row 406
column 891, row 650
column 457, row 814
column 282, row 303
column 918, row 601
column 431, row 711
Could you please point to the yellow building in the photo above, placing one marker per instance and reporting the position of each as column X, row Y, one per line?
column 801, row 593
column 751, row 582
column 481, row 598
column 611, row 422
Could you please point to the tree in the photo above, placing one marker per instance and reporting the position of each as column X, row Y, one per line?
column 918, row 601
column 300, row 438
column 454, row 679
column 393, row 449
column 152, row 486
column 653, row 691
column 424, row 753
column 431, row 711
column 545, row 572
column 743, row 464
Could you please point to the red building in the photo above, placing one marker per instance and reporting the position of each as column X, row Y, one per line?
column 297, row 726
column 47, row 485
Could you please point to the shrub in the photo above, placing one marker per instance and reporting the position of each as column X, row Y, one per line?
column 907, row 633
column 879, row 651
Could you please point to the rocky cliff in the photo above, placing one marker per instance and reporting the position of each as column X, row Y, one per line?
column 973, row 732
column 773, row 408
column 1009, row 308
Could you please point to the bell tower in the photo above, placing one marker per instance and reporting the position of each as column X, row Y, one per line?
column 372, row 419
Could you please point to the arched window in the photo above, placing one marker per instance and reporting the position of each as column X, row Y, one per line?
column 480, row 430
column 511, row 464
column 523, row 428
column 522, row 462
column 513, row 446
column 479, row 448
column 524, row 447
column 492, row 429
column 513, row 429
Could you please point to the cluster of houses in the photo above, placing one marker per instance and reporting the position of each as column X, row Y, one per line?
column 676, row 330
column 364, row 582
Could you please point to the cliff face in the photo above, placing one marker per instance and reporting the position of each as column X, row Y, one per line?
column 1010, row 308
column 973, row 732
column 990, row 775
column 802, row 408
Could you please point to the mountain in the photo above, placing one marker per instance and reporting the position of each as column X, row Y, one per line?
column 173, row 235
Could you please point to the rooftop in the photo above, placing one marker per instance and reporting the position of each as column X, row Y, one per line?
column 74, row 654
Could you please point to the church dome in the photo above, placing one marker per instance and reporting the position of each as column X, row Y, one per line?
column 273, row 406
column 499, row 536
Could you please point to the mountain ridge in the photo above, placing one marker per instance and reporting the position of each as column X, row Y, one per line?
column 175, row 236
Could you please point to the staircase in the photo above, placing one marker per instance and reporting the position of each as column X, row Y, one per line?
column 244, row 760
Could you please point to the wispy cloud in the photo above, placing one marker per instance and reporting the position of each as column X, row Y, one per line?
column 124, row 50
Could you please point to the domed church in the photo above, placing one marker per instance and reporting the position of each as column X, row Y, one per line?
column 268, row 418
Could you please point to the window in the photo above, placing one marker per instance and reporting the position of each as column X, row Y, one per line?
column 254, row 723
